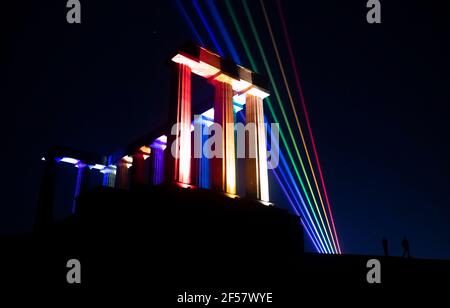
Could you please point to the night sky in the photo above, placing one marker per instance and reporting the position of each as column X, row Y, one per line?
column 378, row 97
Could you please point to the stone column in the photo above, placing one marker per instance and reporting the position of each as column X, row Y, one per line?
column 257, row 185
column 137, row 170
column 223, row 173
column 109, row 176
column 157, row 164
column 122, row 173
column 179, row 167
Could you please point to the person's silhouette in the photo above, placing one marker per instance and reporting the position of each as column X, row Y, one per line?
column 385, row 246
column 405, row 245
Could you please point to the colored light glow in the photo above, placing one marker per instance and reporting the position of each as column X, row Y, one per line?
column 240, row 85
column 145, row 149
column 162, row 139
column 68, row 160
column 258, row 92
column 199, row 68
column 237, row 108
column 184, row 185
column 224, row 78
column 207, row 117
column 160, row 142
column 305, row 112
column 239, row 100
column 97, row 166
column 127, row 159
column 109, row 169
column 209, row 113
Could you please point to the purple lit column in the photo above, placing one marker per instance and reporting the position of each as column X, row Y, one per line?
column 157, row 164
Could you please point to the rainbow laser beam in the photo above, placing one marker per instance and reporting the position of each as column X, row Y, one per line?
column 305, row 112
column 291, row 100
column 283, row 112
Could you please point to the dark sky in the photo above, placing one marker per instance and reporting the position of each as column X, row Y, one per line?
column 378, row 97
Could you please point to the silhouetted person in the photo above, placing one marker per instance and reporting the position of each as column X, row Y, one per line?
column 385, row 246
column 405, row 245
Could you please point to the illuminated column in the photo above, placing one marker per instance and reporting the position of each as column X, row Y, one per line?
column 224, row 169
column 180, row 165
column 109, row 176
column 138, row 169
column 157, row 164
column 202, row 163
column 122, row 173
column 257, row 184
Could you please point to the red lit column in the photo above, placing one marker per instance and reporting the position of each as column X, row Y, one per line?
column 223, row 173
column 137, row 170
column 179, row 142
